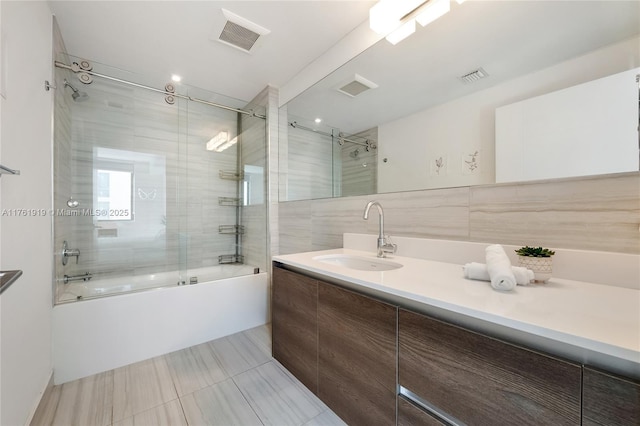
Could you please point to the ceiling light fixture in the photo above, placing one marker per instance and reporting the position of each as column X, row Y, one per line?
column 386, row 15
column 227, row 144
column 396, row 18
column 217, row 141
column 176, row 78
column 432, row 11
column 403, row 32
column 318, row 120
column 220, row 142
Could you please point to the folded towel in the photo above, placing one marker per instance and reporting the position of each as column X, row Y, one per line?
column 479, row 271
column 499, row 267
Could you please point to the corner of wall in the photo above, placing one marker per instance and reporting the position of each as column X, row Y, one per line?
column 26, row 307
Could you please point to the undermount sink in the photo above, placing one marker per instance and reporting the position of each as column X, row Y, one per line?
column 358, row 262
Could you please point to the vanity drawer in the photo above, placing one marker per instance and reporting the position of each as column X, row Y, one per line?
column 481, row 380
column 410, row 415
column 609, row 400
column 357, row 358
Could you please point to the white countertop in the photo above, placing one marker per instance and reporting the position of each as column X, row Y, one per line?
column 591, row 323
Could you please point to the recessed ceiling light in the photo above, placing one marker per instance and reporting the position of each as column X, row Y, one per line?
column 176, row 78
column 318, row 120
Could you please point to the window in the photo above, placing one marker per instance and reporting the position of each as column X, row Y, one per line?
column 114, row 189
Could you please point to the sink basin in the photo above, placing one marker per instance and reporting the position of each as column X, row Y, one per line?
column 358, row 262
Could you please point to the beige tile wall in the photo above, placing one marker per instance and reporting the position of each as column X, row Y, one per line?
column 594, row 213
column 358, row 166
column 253, row 153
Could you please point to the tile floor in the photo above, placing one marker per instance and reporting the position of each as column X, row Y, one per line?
column 228, row 381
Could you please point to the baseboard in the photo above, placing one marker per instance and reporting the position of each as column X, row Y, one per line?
column 48, row 388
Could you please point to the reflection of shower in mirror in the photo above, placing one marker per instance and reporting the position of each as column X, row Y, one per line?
column 355, row 155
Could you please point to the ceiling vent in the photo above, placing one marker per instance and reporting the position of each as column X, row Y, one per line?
column 240, row 33
column 356, row 86
column 473, row 76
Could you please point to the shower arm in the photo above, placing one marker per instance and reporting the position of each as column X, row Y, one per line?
column 153, row 89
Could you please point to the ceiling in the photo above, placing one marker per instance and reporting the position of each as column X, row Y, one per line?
column 161, row 38
column 507, row 39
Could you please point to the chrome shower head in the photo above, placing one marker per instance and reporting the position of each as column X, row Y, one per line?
column 77, row 95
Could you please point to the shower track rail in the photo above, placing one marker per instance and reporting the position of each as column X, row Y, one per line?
column 164, row 92
column 341, row 139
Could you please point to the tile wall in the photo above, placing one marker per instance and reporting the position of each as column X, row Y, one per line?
column 253, row 157
column 176, row 186
column 359, row 171
column 593, row 213
column 313, row 165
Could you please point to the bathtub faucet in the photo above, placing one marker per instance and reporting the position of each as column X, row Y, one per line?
column 84, row 277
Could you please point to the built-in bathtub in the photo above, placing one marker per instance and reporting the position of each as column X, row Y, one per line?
column 103, row 285
column 101, row 333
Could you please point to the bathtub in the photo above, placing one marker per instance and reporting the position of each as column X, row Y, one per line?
column 102, row 333
column 100, row 286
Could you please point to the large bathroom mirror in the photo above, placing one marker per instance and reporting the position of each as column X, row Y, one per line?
column 427, row 112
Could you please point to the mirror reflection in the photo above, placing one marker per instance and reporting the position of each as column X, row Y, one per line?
column 492, row 83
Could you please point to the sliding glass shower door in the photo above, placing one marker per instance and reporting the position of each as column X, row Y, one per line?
column 141, row 194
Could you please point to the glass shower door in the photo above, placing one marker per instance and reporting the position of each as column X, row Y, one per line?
column 151, row 193
column 115, row 173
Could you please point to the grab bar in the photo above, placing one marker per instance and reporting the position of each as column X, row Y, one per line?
column 84, row 277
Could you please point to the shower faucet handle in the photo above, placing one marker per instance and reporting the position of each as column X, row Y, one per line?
column 67, row 253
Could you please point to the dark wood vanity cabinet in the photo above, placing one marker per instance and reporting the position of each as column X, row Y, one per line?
column 339, row 344
column 609, row 400
column 357, row 356
column 294, row 323
column 410, row 415
column 480, row 380
column 353, row 351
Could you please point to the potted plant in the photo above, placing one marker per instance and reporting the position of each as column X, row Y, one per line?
column 538, row 259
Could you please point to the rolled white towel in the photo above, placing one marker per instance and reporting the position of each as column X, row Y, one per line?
column 499, row 267
column 479, row 271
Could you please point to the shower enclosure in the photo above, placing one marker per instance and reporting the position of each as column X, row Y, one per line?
column 320, row 161
column 156, row 184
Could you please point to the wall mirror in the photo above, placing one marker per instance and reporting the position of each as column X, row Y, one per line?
column 430, row 111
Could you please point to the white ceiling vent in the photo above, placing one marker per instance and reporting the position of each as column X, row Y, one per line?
column 473, row 76
column 240, row 33
column 356, row 86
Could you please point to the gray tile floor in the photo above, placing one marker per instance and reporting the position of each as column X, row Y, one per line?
column 228, row 381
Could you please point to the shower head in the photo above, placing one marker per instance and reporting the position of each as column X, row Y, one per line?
column 77, row 95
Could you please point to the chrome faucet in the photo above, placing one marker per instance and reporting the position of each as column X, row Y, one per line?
column 384, row 242
column 67, row 253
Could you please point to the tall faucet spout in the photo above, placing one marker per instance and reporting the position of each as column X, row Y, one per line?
column 381, row 239
column 365, row 216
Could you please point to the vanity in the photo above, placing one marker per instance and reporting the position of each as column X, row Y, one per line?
column 420, row 345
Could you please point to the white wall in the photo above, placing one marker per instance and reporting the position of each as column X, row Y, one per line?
column 26, row 307
column 457, row 129
column 584, row 130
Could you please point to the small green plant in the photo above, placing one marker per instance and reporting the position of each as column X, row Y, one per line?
column 535, row 252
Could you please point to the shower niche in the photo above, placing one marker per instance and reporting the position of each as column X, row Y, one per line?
column 154, row 185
